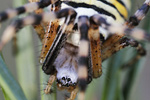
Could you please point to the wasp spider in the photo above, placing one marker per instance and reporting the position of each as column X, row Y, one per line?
column 96, row 29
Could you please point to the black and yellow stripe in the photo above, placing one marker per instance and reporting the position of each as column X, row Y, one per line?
column 121, row 7
column 114, row 8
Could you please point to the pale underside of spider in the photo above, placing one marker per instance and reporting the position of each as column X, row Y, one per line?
column 74, row 62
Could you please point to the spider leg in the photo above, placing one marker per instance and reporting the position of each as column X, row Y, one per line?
column 121, row 30
column 40, row 31
column 114, row 40
column 30, row 7
column 40, row 28
column 51, row 80
column 73, row 94
column 83, row 27
column 124, row 29
column 49, row 38
column 139, row 15
column 111, row 40
column 140, row 52
column 133, row 21
column 116, row 43
column 47, row 30
column 124, row 42
column 29, row 20
column 109, row 50
column 51, row 28
column 95, row 48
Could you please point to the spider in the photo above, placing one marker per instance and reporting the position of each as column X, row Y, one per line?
column 94, row 36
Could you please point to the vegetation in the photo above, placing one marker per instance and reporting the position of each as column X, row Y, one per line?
column 115, row 84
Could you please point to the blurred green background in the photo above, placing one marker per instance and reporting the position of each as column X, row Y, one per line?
column 115, row 84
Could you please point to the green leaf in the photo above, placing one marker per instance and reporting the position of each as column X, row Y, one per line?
column 10, row 86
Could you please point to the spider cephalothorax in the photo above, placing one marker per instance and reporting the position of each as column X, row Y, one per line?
column 100, row 26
